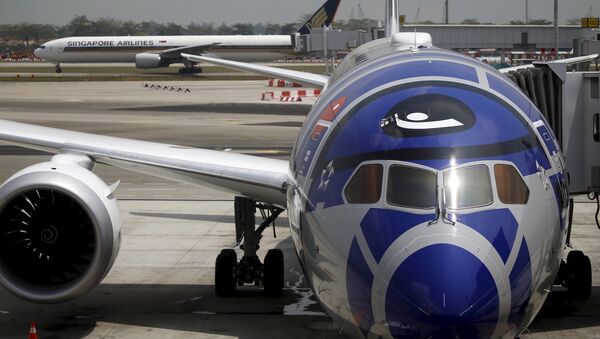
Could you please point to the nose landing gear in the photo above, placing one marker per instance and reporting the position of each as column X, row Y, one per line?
column 230, row 273
column 57, row 68
column 576, row 275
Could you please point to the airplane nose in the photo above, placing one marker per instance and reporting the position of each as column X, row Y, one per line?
column 38, row 52
column 444, row 290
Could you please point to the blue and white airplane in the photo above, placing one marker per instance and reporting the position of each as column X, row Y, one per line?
column 426, row 196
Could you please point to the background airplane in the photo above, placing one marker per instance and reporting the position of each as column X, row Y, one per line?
column 162, row 51
column 426, row 197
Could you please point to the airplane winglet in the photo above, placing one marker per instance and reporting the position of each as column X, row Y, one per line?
column 306, row 78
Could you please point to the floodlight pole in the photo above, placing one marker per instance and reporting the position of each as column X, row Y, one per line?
column 556, row 28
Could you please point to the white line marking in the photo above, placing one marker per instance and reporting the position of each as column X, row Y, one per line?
column 427, row 124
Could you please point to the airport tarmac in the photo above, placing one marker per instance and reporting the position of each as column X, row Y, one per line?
column 161, row 283
column 45, row 72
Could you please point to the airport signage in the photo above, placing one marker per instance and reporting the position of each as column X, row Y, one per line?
column 590, row 22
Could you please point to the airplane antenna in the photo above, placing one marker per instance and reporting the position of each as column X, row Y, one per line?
column 391, row 18
column 415, row 46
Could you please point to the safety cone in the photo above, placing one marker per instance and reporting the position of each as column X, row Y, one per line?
column 33, row 331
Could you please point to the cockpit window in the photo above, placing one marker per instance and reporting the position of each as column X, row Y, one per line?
column 467, row 187
column 510, row 185
column 43, row 46
column 365, row 185
column 411, row 187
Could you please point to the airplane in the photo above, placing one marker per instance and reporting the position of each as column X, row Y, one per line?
column 161, row 51
column 426, row 197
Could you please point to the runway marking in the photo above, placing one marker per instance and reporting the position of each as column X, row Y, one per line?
column 203, row 313
column 73, row 100
column 151, row 189
column 4, row 312
column 82, row 317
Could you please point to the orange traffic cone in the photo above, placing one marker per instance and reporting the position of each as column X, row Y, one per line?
column 33, row 331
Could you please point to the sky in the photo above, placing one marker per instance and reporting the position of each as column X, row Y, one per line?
column 60, row 12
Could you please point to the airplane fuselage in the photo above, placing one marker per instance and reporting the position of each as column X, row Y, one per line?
column 125, row 48
column 429, row 197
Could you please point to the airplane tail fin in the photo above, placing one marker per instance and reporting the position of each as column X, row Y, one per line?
column 323, row 17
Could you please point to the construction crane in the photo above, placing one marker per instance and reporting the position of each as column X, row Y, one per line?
column 361, row 13
column 416, row 20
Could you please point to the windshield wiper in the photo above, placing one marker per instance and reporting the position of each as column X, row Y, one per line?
column 445, row 220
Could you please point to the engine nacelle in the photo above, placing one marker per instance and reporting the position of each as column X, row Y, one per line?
column 149, row 60
column 60, row 230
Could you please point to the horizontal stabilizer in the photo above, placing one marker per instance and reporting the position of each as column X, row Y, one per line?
column 275, row 72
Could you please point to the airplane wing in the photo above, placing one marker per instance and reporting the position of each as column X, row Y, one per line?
column 255, row 177
column 296, row 76
column 568, row 61
column 176, row 52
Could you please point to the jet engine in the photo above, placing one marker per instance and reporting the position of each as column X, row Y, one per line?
column 149, row 60
column 59, row 230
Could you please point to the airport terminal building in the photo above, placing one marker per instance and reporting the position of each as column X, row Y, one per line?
column 469, row 37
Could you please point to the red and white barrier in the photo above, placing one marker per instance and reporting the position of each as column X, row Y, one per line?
column 291, row 99
column 302, row 93
column 283, row 83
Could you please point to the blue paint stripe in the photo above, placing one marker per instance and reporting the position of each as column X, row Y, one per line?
column 359, row 282
column 381, row 227
column 520, row 284
column 499, row 227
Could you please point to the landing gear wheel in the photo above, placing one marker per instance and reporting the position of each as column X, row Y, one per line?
column 58, row 70
column 190, row 70
column 225, row 273
column 580, row 275
column 273, row 273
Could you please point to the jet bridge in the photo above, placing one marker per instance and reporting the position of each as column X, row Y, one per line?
column 570, row 101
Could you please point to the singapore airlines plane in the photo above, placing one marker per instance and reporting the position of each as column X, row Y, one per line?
column 161, row 51
column 426, row 198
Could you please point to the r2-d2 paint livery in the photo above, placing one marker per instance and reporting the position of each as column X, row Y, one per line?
column 430, row 198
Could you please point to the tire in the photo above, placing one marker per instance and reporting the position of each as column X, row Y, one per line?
column 58, row 70
column 580, row 275
column 225, row 275
column 273, row 273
